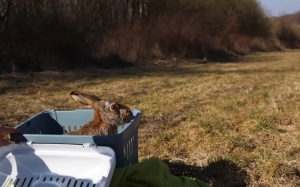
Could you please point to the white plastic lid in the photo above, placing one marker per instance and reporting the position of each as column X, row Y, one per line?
column 56, row 165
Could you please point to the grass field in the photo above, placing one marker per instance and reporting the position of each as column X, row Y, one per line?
column 229, row 124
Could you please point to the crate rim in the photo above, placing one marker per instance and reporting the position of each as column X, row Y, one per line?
column 113, row 139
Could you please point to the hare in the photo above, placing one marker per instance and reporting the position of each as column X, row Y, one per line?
column 107, row 115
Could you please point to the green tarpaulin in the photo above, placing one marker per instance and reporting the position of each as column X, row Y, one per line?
column 151, row 173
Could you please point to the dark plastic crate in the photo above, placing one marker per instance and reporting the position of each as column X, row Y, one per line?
column 48, row 127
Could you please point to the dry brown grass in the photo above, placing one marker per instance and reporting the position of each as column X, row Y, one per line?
column 229, row 124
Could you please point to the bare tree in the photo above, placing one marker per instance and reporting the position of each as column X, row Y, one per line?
column 5, row 13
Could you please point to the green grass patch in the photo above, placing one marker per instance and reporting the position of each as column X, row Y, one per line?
column 267, row 126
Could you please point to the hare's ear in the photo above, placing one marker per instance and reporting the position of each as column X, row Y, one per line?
column 85, row 98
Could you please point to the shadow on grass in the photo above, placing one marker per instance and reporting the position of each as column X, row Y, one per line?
column 219, row 173
column 16, row 83
column 122, row 69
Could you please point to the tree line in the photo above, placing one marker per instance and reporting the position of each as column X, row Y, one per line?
column 65, row 34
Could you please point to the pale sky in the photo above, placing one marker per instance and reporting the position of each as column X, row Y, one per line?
column 279, row 7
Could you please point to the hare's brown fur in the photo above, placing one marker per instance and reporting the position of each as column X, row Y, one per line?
column 113, row 114
column 96, row 127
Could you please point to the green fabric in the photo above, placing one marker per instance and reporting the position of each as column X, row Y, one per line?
column 151, row 173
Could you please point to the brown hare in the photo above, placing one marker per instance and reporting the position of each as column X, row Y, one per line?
column 107, row 115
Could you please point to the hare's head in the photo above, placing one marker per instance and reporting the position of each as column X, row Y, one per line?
column 112, row 113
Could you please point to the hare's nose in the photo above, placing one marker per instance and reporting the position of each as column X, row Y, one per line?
column 127, row 117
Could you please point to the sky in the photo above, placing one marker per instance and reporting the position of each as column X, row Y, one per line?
column 279, row 7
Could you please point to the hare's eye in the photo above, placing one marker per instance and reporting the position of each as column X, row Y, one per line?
column 114, row 107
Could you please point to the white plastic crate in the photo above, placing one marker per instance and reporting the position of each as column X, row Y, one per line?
column 56, row 165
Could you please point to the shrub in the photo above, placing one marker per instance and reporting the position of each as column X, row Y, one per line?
column 288, row 33
column 86, row 32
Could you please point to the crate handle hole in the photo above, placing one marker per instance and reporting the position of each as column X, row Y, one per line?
column 81, row 184
column 75, row 183
column 30, row 181
column 17, row 181
column 69, row 183
column 23, row 182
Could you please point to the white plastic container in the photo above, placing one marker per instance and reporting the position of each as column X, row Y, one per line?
column 56, row 165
